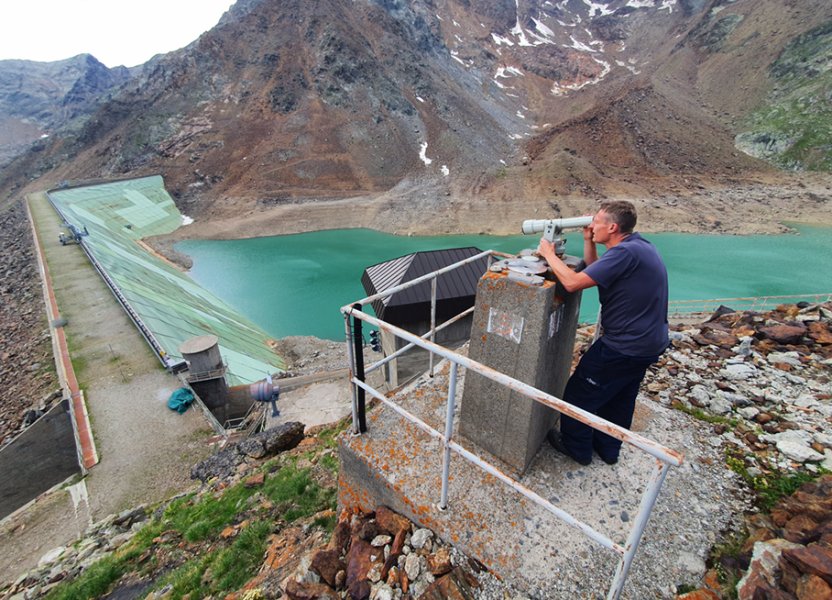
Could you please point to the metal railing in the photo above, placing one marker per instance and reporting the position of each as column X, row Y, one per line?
column 665, row 457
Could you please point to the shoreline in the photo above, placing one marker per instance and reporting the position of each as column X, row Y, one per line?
column 750, row 209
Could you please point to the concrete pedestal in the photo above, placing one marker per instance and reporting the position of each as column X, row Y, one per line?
column 527, row 332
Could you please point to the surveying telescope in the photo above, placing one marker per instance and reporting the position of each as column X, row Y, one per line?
column 553, row 228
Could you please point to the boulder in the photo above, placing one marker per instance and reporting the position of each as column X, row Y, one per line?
column 327, row 563
column 820, row 333
column 456, row 585
column 784, row 334
column 390, row 521
column 296, row 590
column 222, row 465
column 281, row 437
column 810, row 560
column 798, row 452
column 762, row 572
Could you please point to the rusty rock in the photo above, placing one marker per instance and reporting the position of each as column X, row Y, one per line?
column 763, row 418
column 394, row 578
column 812, row 587
column 367, row 530
column 761, row 534
column 820, row 333
column 390, row 521
column 784, row 334
column 255, row 480
column 798, row 527
column 811, row 560
column 716, row 337
column 295, row 590
column 360, row 559
column 327, row 563
column 762, row 571
column 341, row 535
column 439, row 562
column 456, row 585
column 701, row 594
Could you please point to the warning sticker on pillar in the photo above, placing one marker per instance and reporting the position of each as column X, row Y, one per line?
column 555, row 321
column 505, row 325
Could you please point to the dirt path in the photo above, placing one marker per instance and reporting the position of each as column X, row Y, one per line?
column 146, row 449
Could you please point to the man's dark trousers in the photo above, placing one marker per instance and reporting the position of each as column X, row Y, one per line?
column 606, row 384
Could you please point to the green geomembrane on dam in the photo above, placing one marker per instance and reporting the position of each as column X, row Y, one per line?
column 171, row 305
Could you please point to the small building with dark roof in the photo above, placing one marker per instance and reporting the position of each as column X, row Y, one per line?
column 410, row 308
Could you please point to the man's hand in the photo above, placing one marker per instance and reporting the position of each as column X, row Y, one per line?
column 588, row 233
column 569, row 279
column 546, row 249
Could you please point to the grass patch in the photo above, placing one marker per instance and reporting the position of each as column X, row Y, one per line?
column 197, row 520
column 94, row 582
column 221, row 571
column 329, row 437
column 99, row 577
column 330, row 461
column 725, row 558
column 770, row 488
column 297, row 495
column 701, row 415
column 775, row 487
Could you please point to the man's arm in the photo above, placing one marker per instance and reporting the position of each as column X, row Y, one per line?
column 570, row 280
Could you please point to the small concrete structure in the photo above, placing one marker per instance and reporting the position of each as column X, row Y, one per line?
column 207, row 372
column 527, row 332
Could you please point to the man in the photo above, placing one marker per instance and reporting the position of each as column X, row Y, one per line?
column 632, row 287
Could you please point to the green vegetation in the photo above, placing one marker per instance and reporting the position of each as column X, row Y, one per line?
column 723, row 556
column 771, row 487
column 220, row 571
column 793, row 128
column 206, row 564
column 701, row 415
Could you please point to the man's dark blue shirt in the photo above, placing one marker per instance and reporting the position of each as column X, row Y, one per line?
column 632, row 287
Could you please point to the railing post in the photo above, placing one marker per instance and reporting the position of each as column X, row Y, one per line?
column 353, row 387
column 358, row 345
column 644, row 510
column 449, row 432
column 432, row 320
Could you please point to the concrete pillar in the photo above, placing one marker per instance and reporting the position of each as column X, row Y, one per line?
column 527, row 332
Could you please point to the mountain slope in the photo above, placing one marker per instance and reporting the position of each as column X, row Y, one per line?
column 37, row 98
column 294, row 101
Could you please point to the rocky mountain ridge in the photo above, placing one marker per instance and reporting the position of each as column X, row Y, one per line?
column 38, row 99
column 475, row 100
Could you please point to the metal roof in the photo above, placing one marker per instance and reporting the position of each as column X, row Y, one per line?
column 460, row 283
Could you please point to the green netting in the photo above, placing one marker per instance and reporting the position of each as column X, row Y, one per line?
column 171, row 305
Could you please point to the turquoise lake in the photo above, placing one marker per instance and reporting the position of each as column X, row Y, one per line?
column 295, row 284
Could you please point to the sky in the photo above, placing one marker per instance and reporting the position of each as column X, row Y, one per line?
column 116, row 32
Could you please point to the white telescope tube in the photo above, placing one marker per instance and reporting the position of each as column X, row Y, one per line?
column 536, row 226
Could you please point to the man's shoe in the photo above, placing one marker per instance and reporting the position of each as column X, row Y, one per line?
column 557, row 443
column 606, row 459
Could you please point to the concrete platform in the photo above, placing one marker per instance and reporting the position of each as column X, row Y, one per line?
column 397, row 464
column 314, row 403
